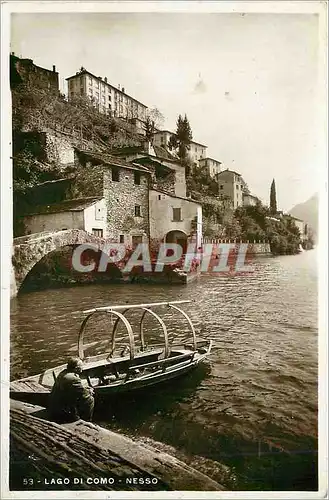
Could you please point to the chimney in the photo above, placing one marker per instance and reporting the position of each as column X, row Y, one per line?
column 54, row 68
column 13, row 53
column 119, row 86
column 147, row 146
column 105, row 79
column 123, row 89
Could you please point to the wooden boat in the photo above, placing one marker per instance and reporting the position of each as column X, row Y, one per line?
column 136, row 367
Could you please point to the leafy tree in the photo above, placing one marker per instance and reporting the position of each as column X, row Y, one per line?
column 154, row 119
column 184, row 136
column 172, row 143
column 155, row 116
column 180, row 142
column 273, row 205
column 149, row 128
column 233, row 229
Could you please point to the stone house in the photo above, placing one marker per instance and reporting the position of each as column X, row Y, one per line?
column 249, row 200
column 174, row 218
column 141, row 201
column 197, row 151
column 232, row 185
column 24, row 71
column 124, row 187
column 212, row 166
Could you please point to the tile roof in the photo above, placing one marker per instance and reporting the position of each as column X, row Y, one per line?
column 209, row 158
column 76, row 205
column 230, row 171
column 162, row 152
column 173, row 133
column 115, row 161
column 151, row 160
column 175, row 196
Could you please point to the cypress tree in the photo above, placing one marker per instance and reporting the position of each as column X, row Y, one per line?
column 273, row 205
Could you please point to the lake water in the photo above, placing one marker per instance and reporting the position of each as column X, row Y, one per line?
column 248, row 417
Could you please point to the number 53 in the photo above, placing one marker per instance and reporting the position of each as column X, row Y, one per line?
column 27, row 481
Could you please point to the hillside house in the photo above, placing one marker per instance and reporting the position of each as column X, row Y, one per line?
column 249, row 200
column 108, row 98
column 24, row 72
column 232, row 185
column 88, row 214
column 213, row 167
column 196, row 152
column 123, row 202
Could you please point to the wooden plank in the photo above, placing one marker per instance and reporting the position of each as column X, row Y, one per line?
column 161, row 362
column 82, row 449
column 27, row 386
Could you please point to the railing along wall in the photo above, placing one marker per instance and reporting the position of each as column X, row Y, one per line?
column 237, row 240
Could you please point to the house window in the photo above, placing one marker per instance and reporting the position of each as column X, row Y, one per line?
column 237, row 186
column 137, row 178
column 122, row 238
column 98, row 232
column 159, row 197
column 221, row 186
column 137, row 211
column 177, row 216
column 115, row 174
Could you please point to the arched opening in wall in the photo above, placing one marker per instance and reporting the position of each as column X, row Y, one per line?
column 57, row 269
column 177, row 237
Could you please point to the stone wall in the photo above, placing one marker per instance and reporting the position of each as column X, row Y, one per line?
column 47, row 147
column 23, row 71
column 179, row 179
column 166, row 183
column 59, row 149
column 121, row 198
column 29, row 250
column 89, row 181
column 260, row 248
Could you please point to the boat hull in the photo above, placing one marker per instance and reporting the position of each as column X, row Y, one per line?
column 146, row 370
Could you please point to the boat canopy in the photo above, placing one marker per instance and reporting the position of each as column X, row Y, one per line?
column 120, row 311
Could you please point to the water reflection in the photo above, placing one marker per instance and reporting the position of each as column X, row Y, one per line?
column 253, row 407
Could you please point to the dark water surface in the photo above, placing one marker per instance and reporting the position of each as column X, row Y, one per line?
column 247, row 418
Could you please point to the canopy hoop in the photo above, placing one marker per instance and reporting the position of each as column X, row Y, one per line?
column 120, row 316
column 164, row 328
column 189, row 322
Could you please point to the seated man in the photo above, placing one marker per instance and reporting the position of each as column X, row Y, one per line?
column 70, row 400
